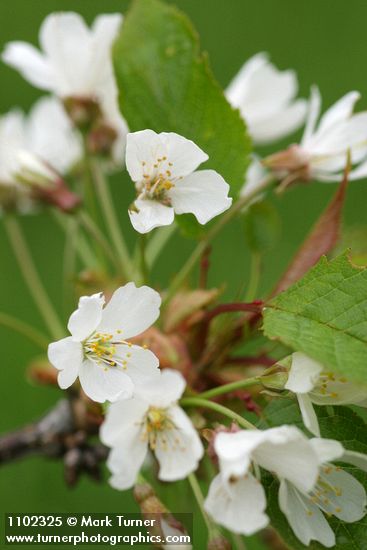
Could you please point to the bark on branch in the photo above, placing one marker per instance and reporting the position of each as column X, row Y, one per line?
column 58, row 434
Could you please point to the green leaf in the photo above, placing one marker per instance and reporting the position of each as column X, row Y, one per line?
column 325, row 316
column 262, row 226
column 339, row 423
column 165, row 83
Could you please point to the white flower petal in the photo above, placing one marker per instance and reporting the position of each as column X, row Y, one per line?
column 340, row 111
column 287, row 452
column 305, row 518
column 84, row 321
column 314, row 107
column 51, row 136
column 102, row 384
column 339, row 391
column 355, row 458
column 125, row 461
column 304, row 373
column 234, row 451
column 151, row 214
column 164, row 390
column 122, row 418
column 239, row 86
column 279, row 124
column 103, row 33
column 240, row 507
column 309, row 416
column 349, row 134
column 170, row 531
column 131, row 309
column 181, row 451
column 13, row 138
column 30, row 63
column 203, row 193
column 183, row 154
column 343, row 496
column 327, row 449
column 254, row 176
column 141, row 364
column 265, row 96
column 142, row 150
column 66, row 355
column 61, row 36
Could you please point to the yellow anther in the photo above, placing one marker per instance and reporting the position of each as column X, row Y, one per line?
column 338, row 510
column 309, row 513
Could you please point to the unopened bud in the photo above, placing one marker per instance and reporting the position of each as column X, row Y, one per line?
column 275, row 381
column 44, row 183
column 60, row 196
column 33, row 171
column 41, row 372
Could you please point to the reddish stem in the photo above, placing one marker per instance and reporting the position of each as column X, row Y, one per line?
column 204, row 267
column 253, row 307
column 263, row 360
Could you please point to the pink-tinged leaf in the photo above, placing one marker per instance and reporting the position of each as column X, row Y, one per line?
column 321, row 240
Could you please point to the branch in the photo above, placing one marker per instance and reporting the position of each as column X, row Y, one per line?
column 58, row 434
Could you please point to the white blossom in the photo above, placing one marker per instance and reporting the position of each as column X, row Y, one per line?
column 265, row 97
column 322, row 153
column 163, row 168
column 236, row 498
column 255, row 175
column 151, row 419
column 99, row 350
column 38, row 147
column 74, row 62
column 336, row 493
column 314, row 384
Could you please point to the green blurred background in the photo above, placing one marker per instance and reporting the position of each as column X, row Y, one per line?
column 325, row 41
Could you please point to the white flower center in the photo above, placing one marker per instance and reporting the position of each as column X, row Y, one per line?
column 327, row 385
column 325, row 493
column 102, row 349
column 157, row 181
column 160, row 431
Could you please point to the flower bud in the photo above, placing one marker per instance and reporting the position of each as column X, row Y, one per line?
column 275, row 381
column 45, row 184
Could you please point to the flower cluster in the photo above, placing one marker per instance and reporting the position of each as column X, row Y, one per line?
column 137, row 378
